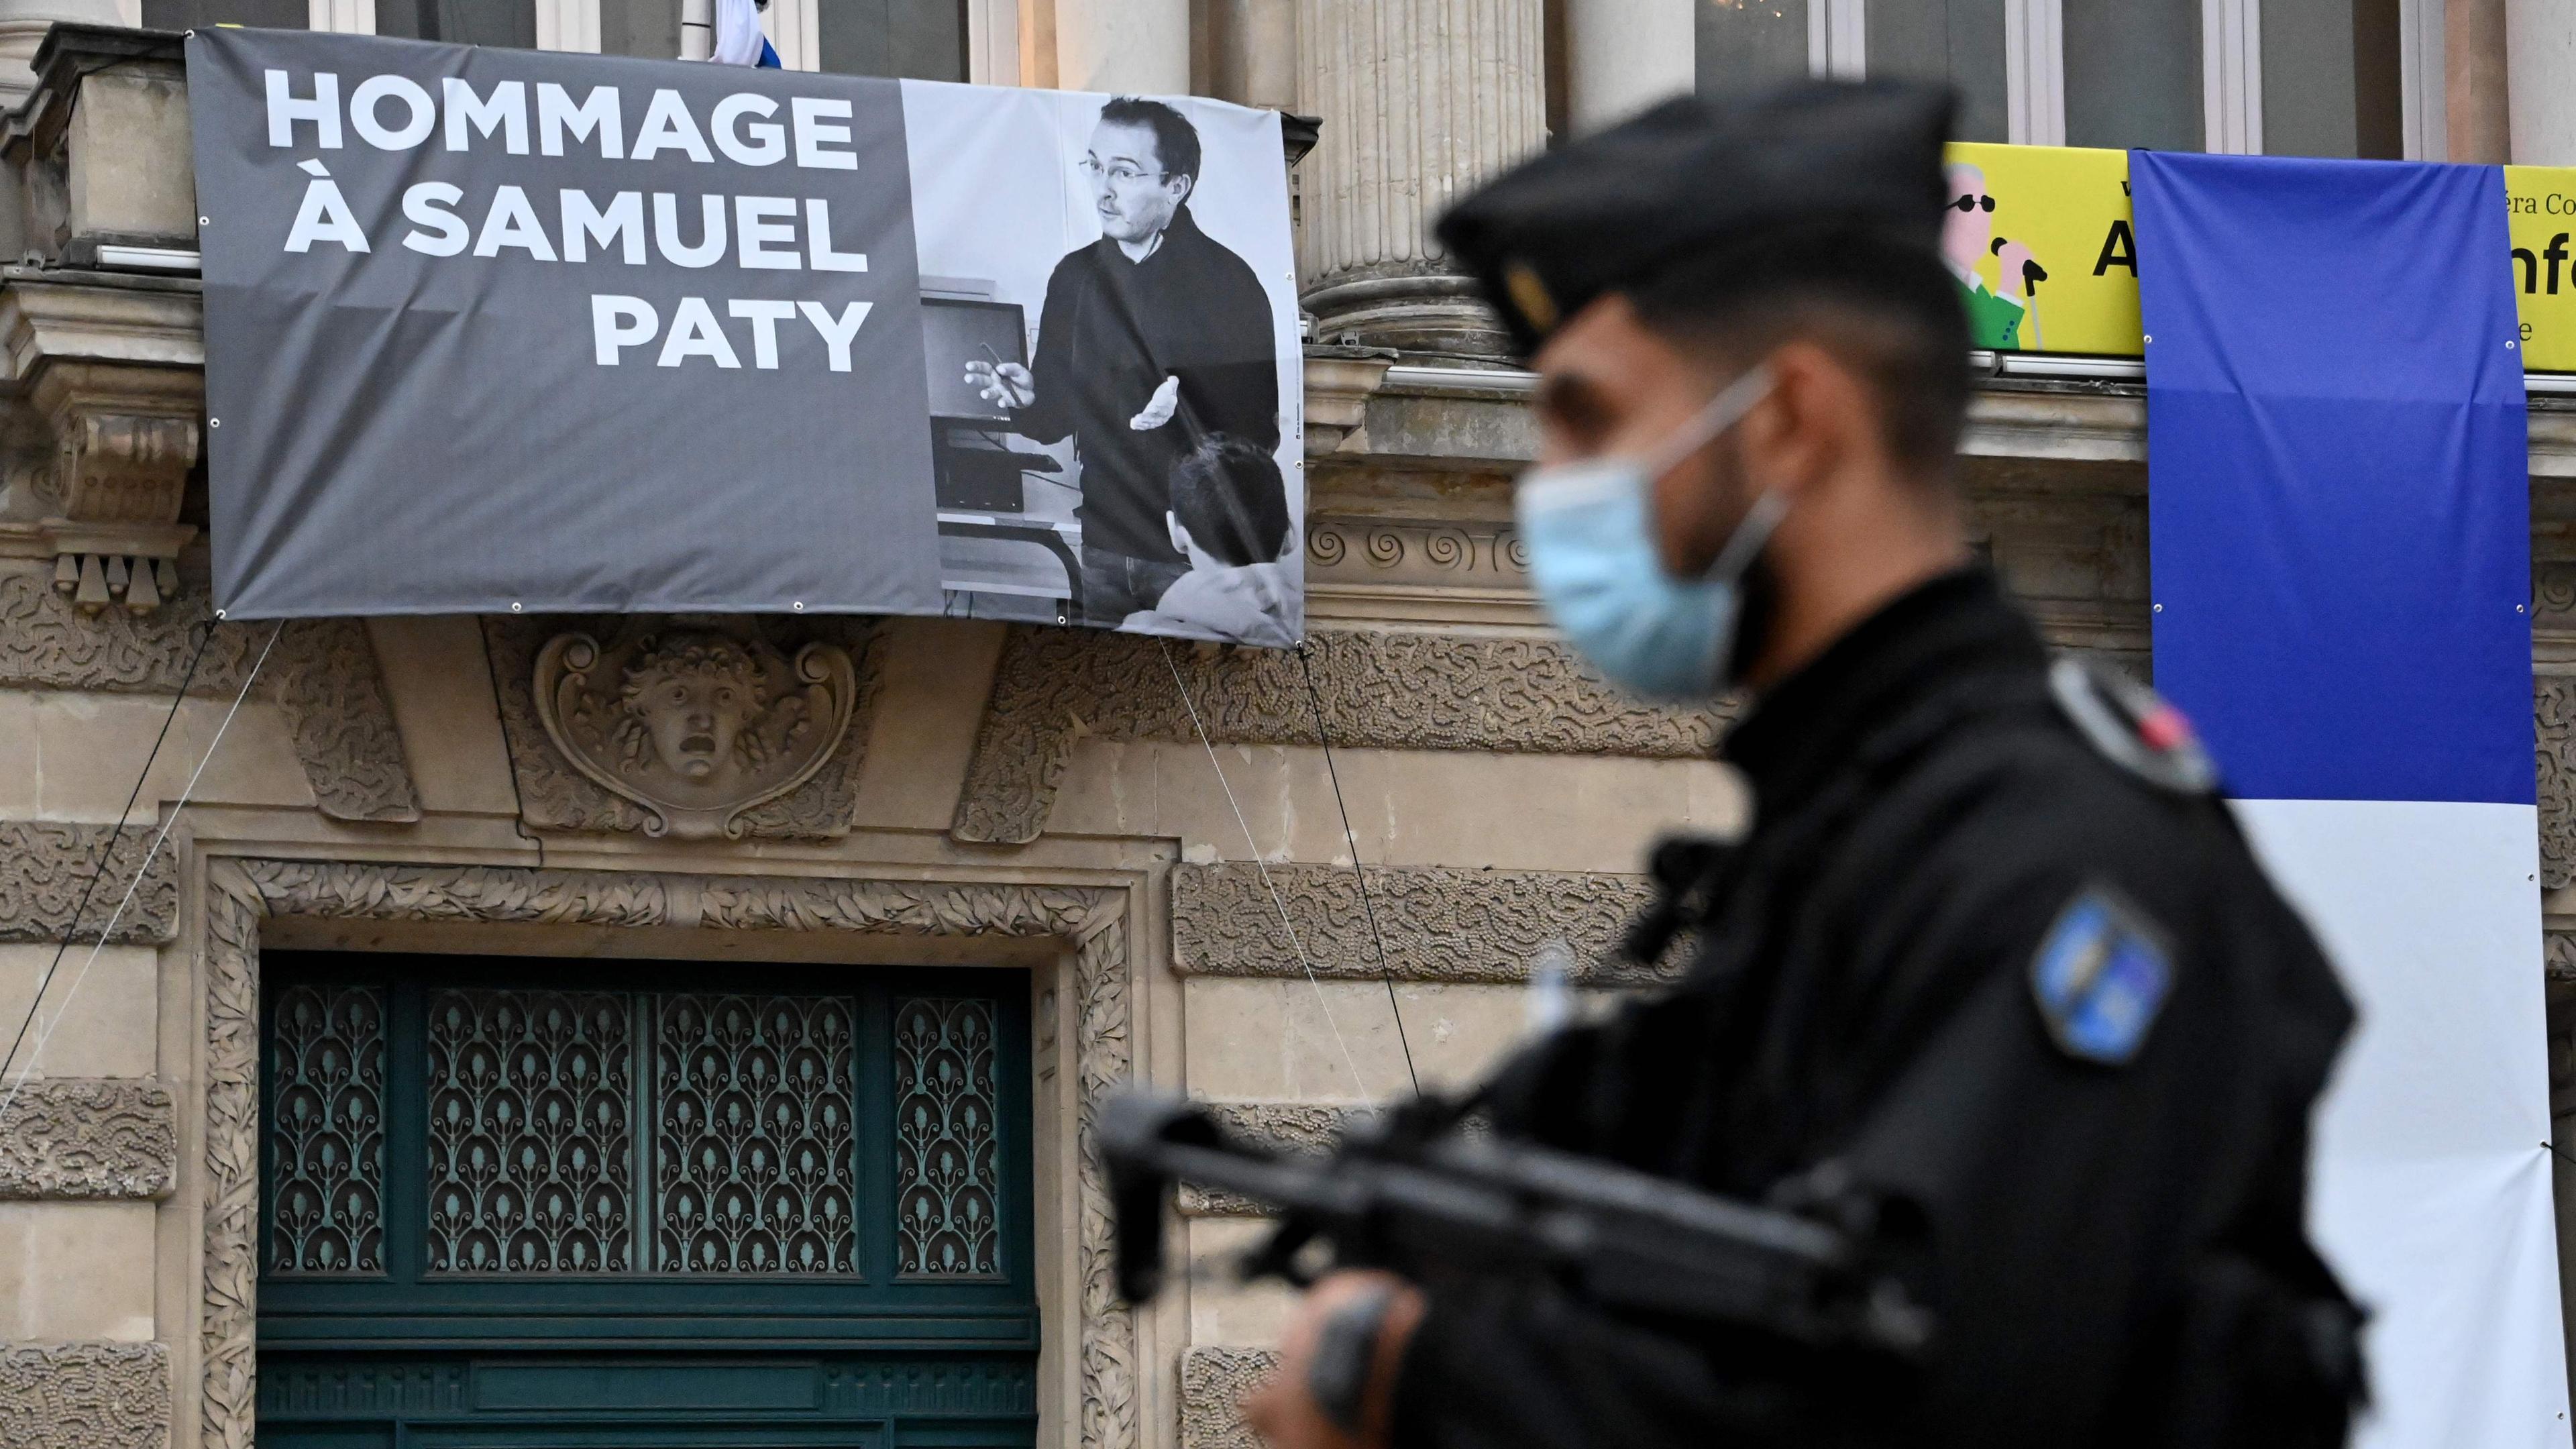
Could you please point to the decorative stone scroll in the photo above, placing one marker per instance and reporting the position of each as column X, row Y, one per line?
column 1505, row 693
column 49, row 866
column 324, row 677
column 1214, row 1382
column 84, row 1395
column 599, row 711
column 241, row 893
column 1415, row 552
column 75, row 1139
column 1439, row 923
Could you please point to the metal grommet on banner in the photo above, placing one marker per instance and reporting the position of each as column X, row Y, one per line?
column 214, row 422
column 514, row 606
column 800, row 606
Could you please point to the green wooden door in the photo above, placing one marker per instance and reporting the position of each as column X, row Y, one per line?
column 537, row 1204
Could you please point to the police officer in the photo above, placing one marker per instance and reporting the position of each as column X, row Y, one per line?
column 1992, row 954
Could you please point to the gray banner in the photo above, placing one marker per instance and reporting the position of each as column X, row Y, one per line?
column 491, row 330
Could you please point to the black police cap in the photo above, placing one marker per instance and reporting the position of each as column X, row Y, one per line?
column 1687, row 178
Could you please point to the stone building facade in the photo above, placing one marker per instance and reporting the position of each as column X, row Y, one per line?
column 1032, row 804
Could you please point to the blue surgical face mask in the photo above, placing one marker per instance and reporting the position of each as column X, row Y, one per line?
column 1588, row 528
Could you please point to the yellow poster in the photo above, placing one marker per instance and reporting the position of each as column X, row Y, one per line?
column 2039, row 239
column 2041, row 242
column 2540, row 207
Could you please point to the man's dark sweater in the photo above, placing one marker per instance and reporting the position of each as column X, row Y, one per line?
column 1111, row 332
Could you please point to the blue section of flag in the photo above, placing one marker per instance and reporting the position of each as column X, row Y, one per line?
column 2337, row 479
column 768, row 56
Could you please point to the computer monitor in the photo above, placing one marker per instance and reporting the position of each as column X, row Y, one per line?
column 956, row 332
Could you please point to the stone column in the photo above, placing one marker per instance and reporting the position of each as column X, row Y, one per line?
column 2540, row 57
column 1252, row 52
column 22, row 28
column 1420, row 100
column 2476, row 125
column 1126, row 47
column 1624, row 55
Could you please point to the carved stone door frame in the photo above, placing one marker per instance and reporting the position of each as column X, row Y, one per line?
column 242, row 891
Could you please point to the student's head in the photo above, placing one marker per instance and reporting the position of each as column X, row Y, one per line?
column 1143, row 163
column 1229, row 505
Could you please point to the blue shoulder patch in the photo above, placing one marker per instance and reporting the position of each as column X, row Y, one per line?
column 2100, row 977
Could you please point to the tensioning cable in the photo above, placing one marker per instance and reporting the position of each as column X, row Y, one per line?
column 1368, row 907
column 1277, row 902
column 115, row 836
column 141, row 869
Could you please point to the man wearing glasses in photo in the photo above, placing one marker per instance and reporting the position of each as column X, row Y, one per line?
column 1152, row 339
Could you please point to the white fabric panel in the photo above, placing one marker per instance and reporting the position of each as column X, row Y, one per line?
column 2432, row 1184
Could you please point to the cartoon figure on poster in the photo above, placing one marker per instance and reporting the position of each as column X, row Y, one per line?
column 2003, row 315
column 1152, row 378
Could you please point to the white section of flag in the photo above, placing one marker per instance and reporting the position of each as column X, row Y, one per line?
column 2431, row 1185
column 738, row 37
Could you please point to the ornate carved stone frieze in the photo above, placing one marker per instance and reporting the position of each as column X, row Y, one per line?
column 1439, row 923
column 2554, row 731
column 695, row 725
column 227, row 1355
column 49, row 866
column 1307, row 1127
column 1214, row 1381
column 492, row 894
column 243, row 892
column 1511, row 693
column 325, row 679
column 734, row 727
column 84, row 1395
column 71, row 1138
column 46, row 643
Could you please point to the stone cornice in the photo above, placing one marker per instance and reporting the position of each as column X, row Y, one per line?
column 1438, row 923
column 49, row 316
column 76, row 1139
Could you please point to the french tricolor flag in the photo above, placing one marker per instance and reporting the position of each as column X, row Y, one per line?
column 2339, row 520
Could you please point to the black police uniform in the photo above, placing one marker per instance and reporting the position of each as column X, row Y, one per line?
column 1992, row 954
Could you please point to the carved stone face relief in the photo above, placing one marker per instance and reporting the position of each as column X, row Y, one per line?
column 695, row 724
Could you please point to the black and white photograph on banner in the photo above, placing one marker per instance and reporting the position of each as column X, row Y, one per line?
column 726, row 339
column 1109, row 308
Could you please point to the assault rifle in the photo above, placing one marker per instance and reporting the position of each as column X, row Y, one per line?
column 1411, row 1192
